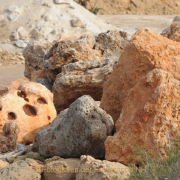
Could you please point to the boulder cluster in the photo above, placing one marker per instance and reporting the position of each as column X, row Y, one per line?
column 89, row 100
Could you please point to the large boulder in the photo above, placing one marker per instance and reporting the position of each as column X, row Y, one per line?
column 30, row 106
column 81, row 78
column 64, row 169
column 93, row 169
column 82, row 130
column 149, row 118
column 19, row 170
column 9, row 137
column 147, row 50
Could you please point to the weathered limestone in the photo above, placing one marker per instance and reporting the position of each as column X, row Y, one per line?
column 149, row 118
column 82, row 130
column 9, row 137
column 147, row 50
column 93, row 169
column 81, row 78
column 33, row 54
column 69, row 49
column 19, row 170
column 61, row 169
column 30, row 106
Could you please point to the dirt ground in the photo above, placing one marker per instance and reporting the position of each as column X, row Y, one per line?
column 141, row 7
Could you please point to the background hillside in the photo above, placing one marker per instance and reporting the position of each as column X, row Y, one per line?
column 141, row 7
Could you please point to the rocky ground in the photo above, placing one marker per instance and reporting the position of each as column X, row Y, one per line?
column 73, row 108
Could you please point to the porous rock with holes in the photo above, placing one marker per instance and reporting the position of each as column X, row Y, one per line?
column 81, row 78
column 63, row 52
column 30, row 106
column 83, row 129
column 9, row 137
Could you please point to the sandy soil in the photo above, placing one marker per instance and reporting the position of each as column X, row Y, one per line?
column 141, row 7
column 9, row 74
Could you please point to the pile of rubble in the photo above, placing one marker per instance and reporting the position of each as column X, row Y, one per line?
column 137, row 83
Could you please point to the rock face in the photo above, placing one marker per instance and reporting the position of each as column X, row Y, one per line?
column 147, row 50
column 149, row 117
column 63, row 52
column 61, row 169
column 93, row 169
column 30, row 106
column 9, row 137
column 81, row 78
column 19, row 170
column 82, row 130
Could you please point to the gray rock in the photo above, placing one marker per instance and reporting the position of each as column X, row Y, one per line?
column 176, row 18
column 46, row 63
column 20, row 44
column 19, row 170
column 82, row 131
column 77, row 22
column 45, row 82
column 12, row 16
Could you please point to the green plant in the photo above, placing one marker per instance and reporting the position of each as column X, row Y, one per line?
column 40, row 158
column 153, row 167
column 95, row 11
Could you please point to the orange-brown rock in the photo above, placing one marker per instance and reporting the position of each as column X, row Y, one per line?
column 147, row 50
column 9, row 137
column 86, row 48
column 30, row 106
column 13, row 86
column 149, row 118
column 81, row 78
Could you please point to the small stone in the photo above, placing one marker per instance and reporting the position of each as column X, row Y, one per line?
column 14, row 9
column 63, row 1
column 20, row 44
column 11, row 159
column 76, row 22
column 12, row 16
column 46, row 63
column 48, row 17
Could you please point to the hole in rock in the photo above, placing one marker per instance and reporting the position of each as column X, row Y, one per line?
column 29, row 110
column 41, row 101
column 0, row 108
column 49, row 118
column 11, row 116
column 26, row 99
column 21, row 94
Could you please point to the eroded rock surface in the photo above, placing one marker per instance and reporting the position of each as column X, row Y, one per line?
column 82, row 130
column 63, row 52
column 30, row 106
column 93, row 169
column 147, row 50
column 34, row 55
column 19, row 170
column 9, row 137
column 61, row 169
column 81, row 78
column 149, row 118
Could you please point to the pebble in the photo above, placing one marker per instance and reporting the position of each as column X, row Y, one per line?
column 20, row 44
